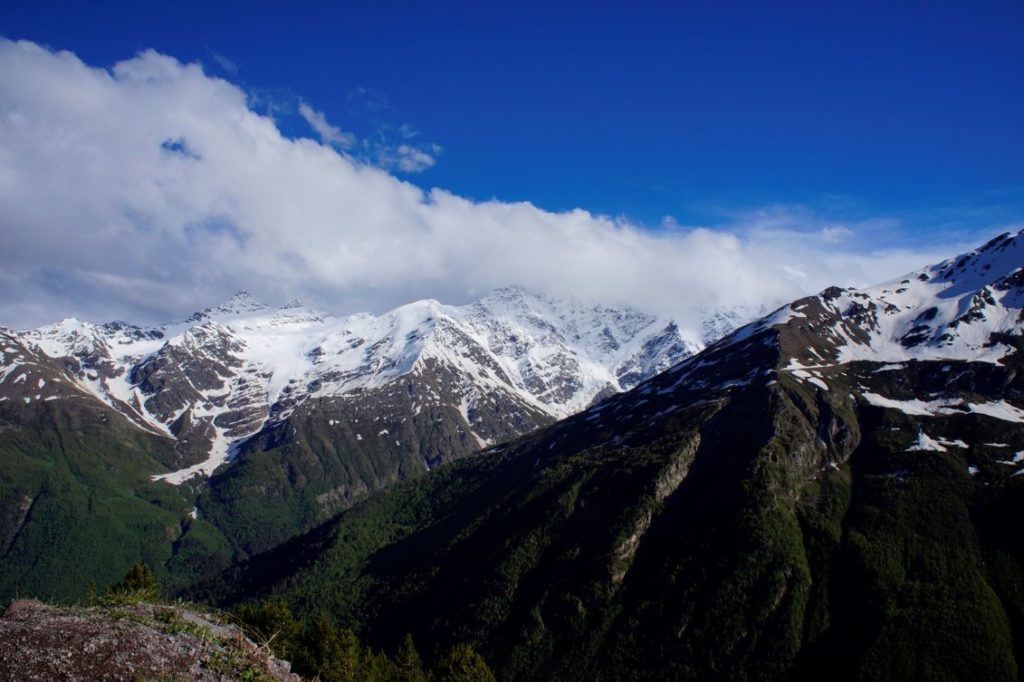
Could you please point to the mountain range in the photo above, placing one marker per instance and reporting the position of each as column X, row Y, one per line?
column 267, row 420
column 832, row 491
column 580, row 493
column 228, row 373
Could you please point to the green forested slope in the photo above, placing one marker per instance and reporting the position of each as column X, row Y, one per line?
column 77, row 505
column 762, row 531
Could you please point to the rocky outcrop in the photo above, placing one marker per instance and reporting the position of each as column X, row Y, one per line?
column 129, row 642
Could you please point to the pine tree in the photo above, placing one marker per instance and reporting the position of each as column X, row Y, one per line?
column 463, row 664
column 347, row 656
column 408, row 665
column 139, row 584
column 375, row 667
column 271, row 621
column 335, row 655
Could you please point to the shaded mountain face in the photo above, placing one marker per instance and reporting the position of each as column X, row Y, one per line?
column 832, row 491
column 300, row 413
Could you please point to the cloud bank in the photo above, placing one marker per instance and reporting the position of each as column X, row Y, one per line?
column 151, row 189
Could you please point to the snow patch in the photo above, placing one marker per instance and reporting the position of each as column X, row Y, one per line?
column 934, row 408
column 914, row 407
column 998, row 410
column 818, row 382
column 890, row 367
column 924, row 443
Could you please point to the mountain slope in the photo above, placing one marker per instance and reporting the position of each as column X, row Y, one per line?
column 76, row 500
column 818, row 494
column 311, row 412
column 431, row 383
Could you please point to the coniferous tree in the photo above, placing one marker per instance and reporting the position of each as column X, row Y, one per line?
column 463, row 664
column 375, row 667
column 321, row 644
column 347, row 656
column 408, row 665
column 139, row 583
column 273, row 622
column 335, row 655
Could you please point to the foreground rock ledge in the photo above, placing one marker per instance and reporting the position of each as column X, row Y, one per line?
column 129, row 642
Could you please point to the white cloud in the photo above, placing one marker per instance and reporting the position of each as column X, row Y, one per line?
column 412, row 159
column 380, row 150
column 836, row 233
column 152, row 189
column 228, row 66
column 392, row 148
column 329, row 134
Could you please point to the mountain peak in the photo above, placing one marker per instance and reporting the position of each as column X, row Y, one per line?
column 512, row 292
column 512, row 299
column 296, row 310
column 963, row 308
column 241, row 302
column 995, row 260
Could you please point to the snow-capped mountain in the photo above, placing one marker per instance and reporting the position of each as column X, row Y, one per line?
column 969, row 308
column 844, row 429
column 506, row 363
column 815, row 492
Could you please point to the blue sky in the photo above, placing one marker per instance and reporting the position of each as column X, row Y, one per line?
column 880, row 123
column 641, row 109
